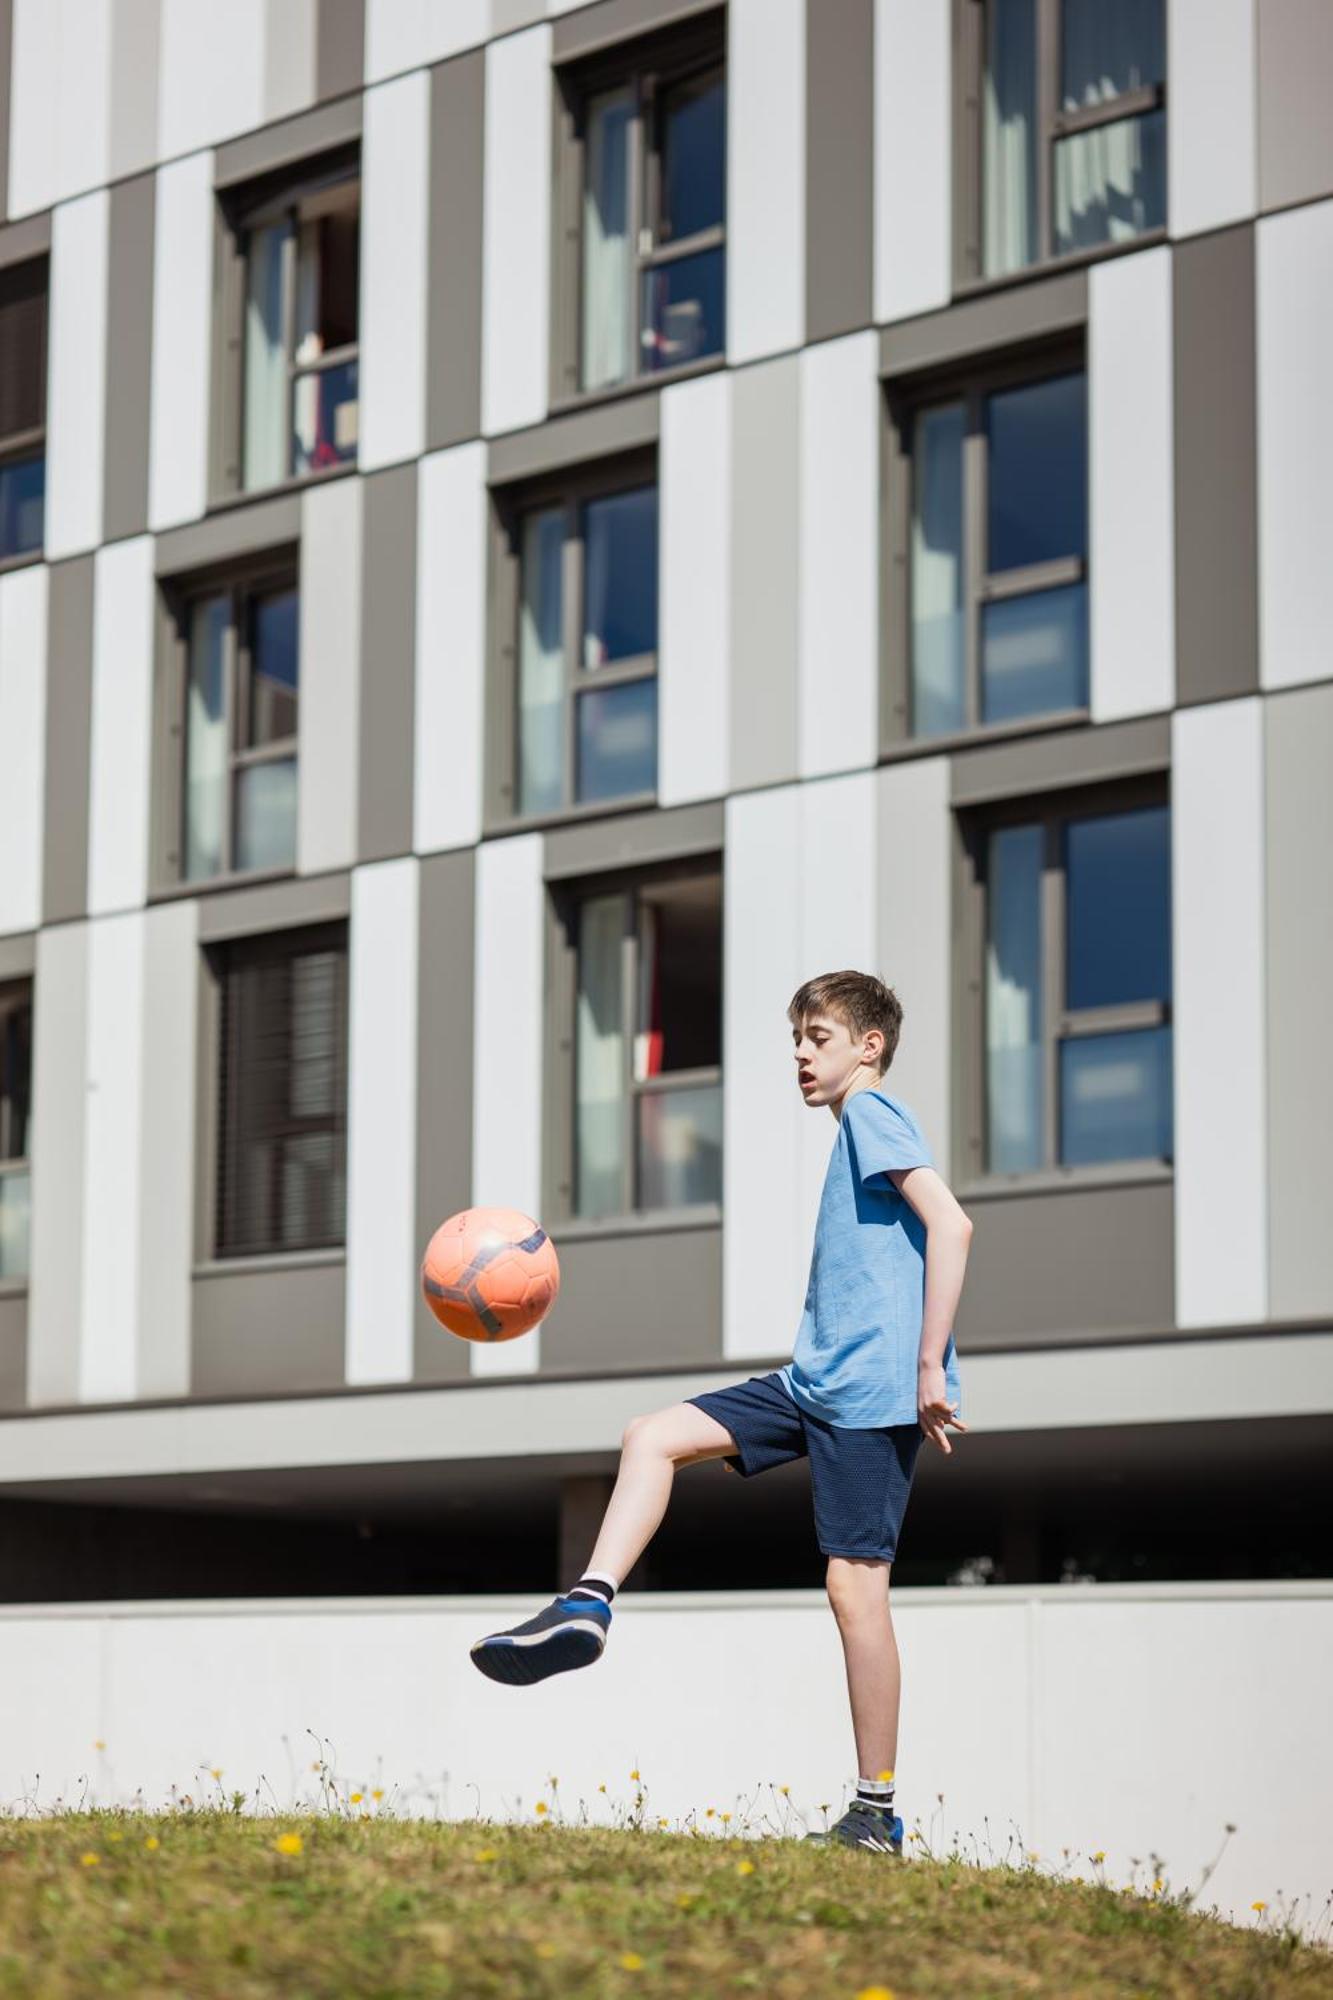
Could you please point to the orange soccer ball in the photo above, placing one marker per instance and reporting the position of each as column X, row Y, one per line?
column 490, row 1273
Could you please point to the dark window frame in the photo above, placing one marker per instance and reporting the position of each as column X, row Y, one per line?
column 565, row 899
column 26, row 446
column 650, row 65
column 16, row 998
column 969, row 43
column 572, row 488
column 969, row 381
column 1053, row 809
column 243, row 581
column 239, row 210
column 266, row 948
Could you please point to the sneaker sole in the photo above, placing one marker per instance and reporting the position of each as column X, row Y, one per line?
column 520, row 1662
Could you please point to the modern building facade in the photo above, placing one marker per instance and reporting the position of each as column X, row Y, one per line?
column 526, row 532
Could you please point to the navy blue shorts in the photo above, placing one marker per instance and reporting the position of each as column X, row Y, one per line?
column 860, row 1479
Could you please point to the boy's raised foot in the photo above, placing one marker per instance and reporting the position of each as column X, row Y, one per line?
column 570, row 1632
column 863, row 1826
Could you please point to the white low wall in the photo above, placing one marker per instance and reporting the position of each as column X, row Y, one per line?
column 1135, row 1720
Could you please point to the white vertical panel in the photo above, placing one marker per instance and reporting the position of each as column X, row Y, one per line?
column 60, row 100
column 23, row 602
column 913, row 157
column 381, row 1122
column 1294, row 335
column 837, row 684
column 763, row 1257
column 182, row 316
column 510, row 983
column 113, row 1157
column 1218, row 1011
column 1210, row 126
column 329, row 717
column 914, row 911
column 290, row 27
column 167, row 1141
column 516, row 231
column 394, row 152
column 76, row 378
column 120, row 753
column 694, row 670
column 404, row 34
column 451, row 647
column 765, row 177
column 56, row 1150
column 210, row 73
column 1131, row 486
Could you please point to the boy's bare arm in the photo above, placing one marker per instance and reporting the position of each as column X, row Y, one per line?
column 948, row 1235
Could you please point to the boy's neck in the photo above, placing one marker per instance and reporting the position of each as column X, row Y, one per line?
column 861, row 1082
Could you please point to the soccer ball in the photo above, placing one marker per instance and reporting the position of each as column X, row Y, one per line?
column 490, row 1273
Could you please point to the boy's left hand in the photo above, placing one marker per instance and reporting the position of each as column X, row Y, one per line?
column 935, row 1413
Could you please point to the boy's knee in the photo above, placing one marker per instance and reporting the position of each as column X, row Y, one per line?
column 855, row 1588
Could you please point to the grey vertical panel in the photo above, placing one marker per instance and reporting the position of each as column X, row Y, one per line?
column 59, row 1145
column 1217, row 605
column 764, row 559
column 444, row 1082
column 1295, row 88
column 129, row 357
column 388, row 663
column 839, row 166
column 136, row 37
column 69, row 697
column 13, row 1351
column 453, row 300
column 339, row 47
column 1299, row 950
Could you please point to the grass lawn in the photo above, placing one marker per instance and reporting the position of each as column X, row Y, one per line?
column 215, row 1903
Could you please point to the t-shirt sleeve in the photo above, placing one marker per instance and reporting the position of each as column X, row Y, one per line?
column 884, row 1136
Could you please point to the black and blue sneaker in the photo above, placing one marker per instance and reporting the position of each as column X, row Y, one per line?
column 865, row 1826
column 570, row 1632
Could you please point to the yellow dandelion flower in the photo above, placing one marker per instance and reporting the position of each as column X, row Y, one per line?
column 708, row 1813
column 684, row 1900
column 631, row 1961
column 1099, row 1856
column 90, row 1860
column 601, row 1788
column 1261, row 1907
column 377, row 1794
column 355, row 1798
column 115, row 1836
column 98, row 1744
column 288, row 1843
column 485, row 1854
column 634, row 1776
column 785, row 1791
column 545, row 1950
column 745, row 1868
column 542, row 1806
column 1158, row 1885
column 152, row 1843
column 1033, row 1854
column 214, row 1773
column 874, row 1993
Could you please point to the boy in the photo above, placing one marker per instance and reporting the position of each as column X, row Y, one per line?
column 873, row 1373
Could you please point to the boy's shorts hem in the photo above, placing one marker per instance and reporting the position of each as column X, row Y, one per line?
column 862, row 1555
column 860, row 1479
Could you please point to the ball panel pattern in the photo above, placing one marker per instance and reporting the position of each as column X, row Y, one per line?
column 490, row 1273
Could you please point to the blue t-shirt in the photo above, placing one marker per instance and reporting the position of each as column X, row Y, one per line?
column 855, row 1360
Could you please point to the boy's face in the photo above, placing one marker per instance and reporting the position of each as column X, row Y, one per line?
column 828, row 1061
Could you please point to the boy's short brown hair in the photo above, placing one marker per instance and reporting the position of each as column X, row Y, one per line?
column 858, row 1000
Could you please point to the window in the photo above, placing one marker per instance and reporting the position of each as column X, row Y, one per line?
column 647, row 1044
column 998, row 567
column 1073, row 128
column 293, row 308
column 22, row 408
column 1077, row 986
column 282, row 1094
column 15, row 1115
column 234, row 705
column 644, row 187
column 579, row 650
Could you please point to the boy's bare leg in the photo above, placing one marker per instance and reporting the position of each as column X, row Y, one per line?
column 858, row 1590
column 651, row 1449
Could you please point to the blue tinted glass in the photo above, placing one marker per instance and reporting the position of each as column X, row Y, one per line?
column 1118, row 902
column 325, row 417
column 620, row 577
column 617, row 740
column 1110, row 182
column 273, row 643
column 1037, row 473
column 1034, row 653
column 1106, row 50
column 684, row 310
column 1115, row 1097
column 1014, row 1094
column 22, row 505
column 939, row 683
column 694, row 154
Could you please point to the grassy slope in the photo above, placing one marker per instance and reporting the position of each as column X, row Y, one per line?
column 406, row 1908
